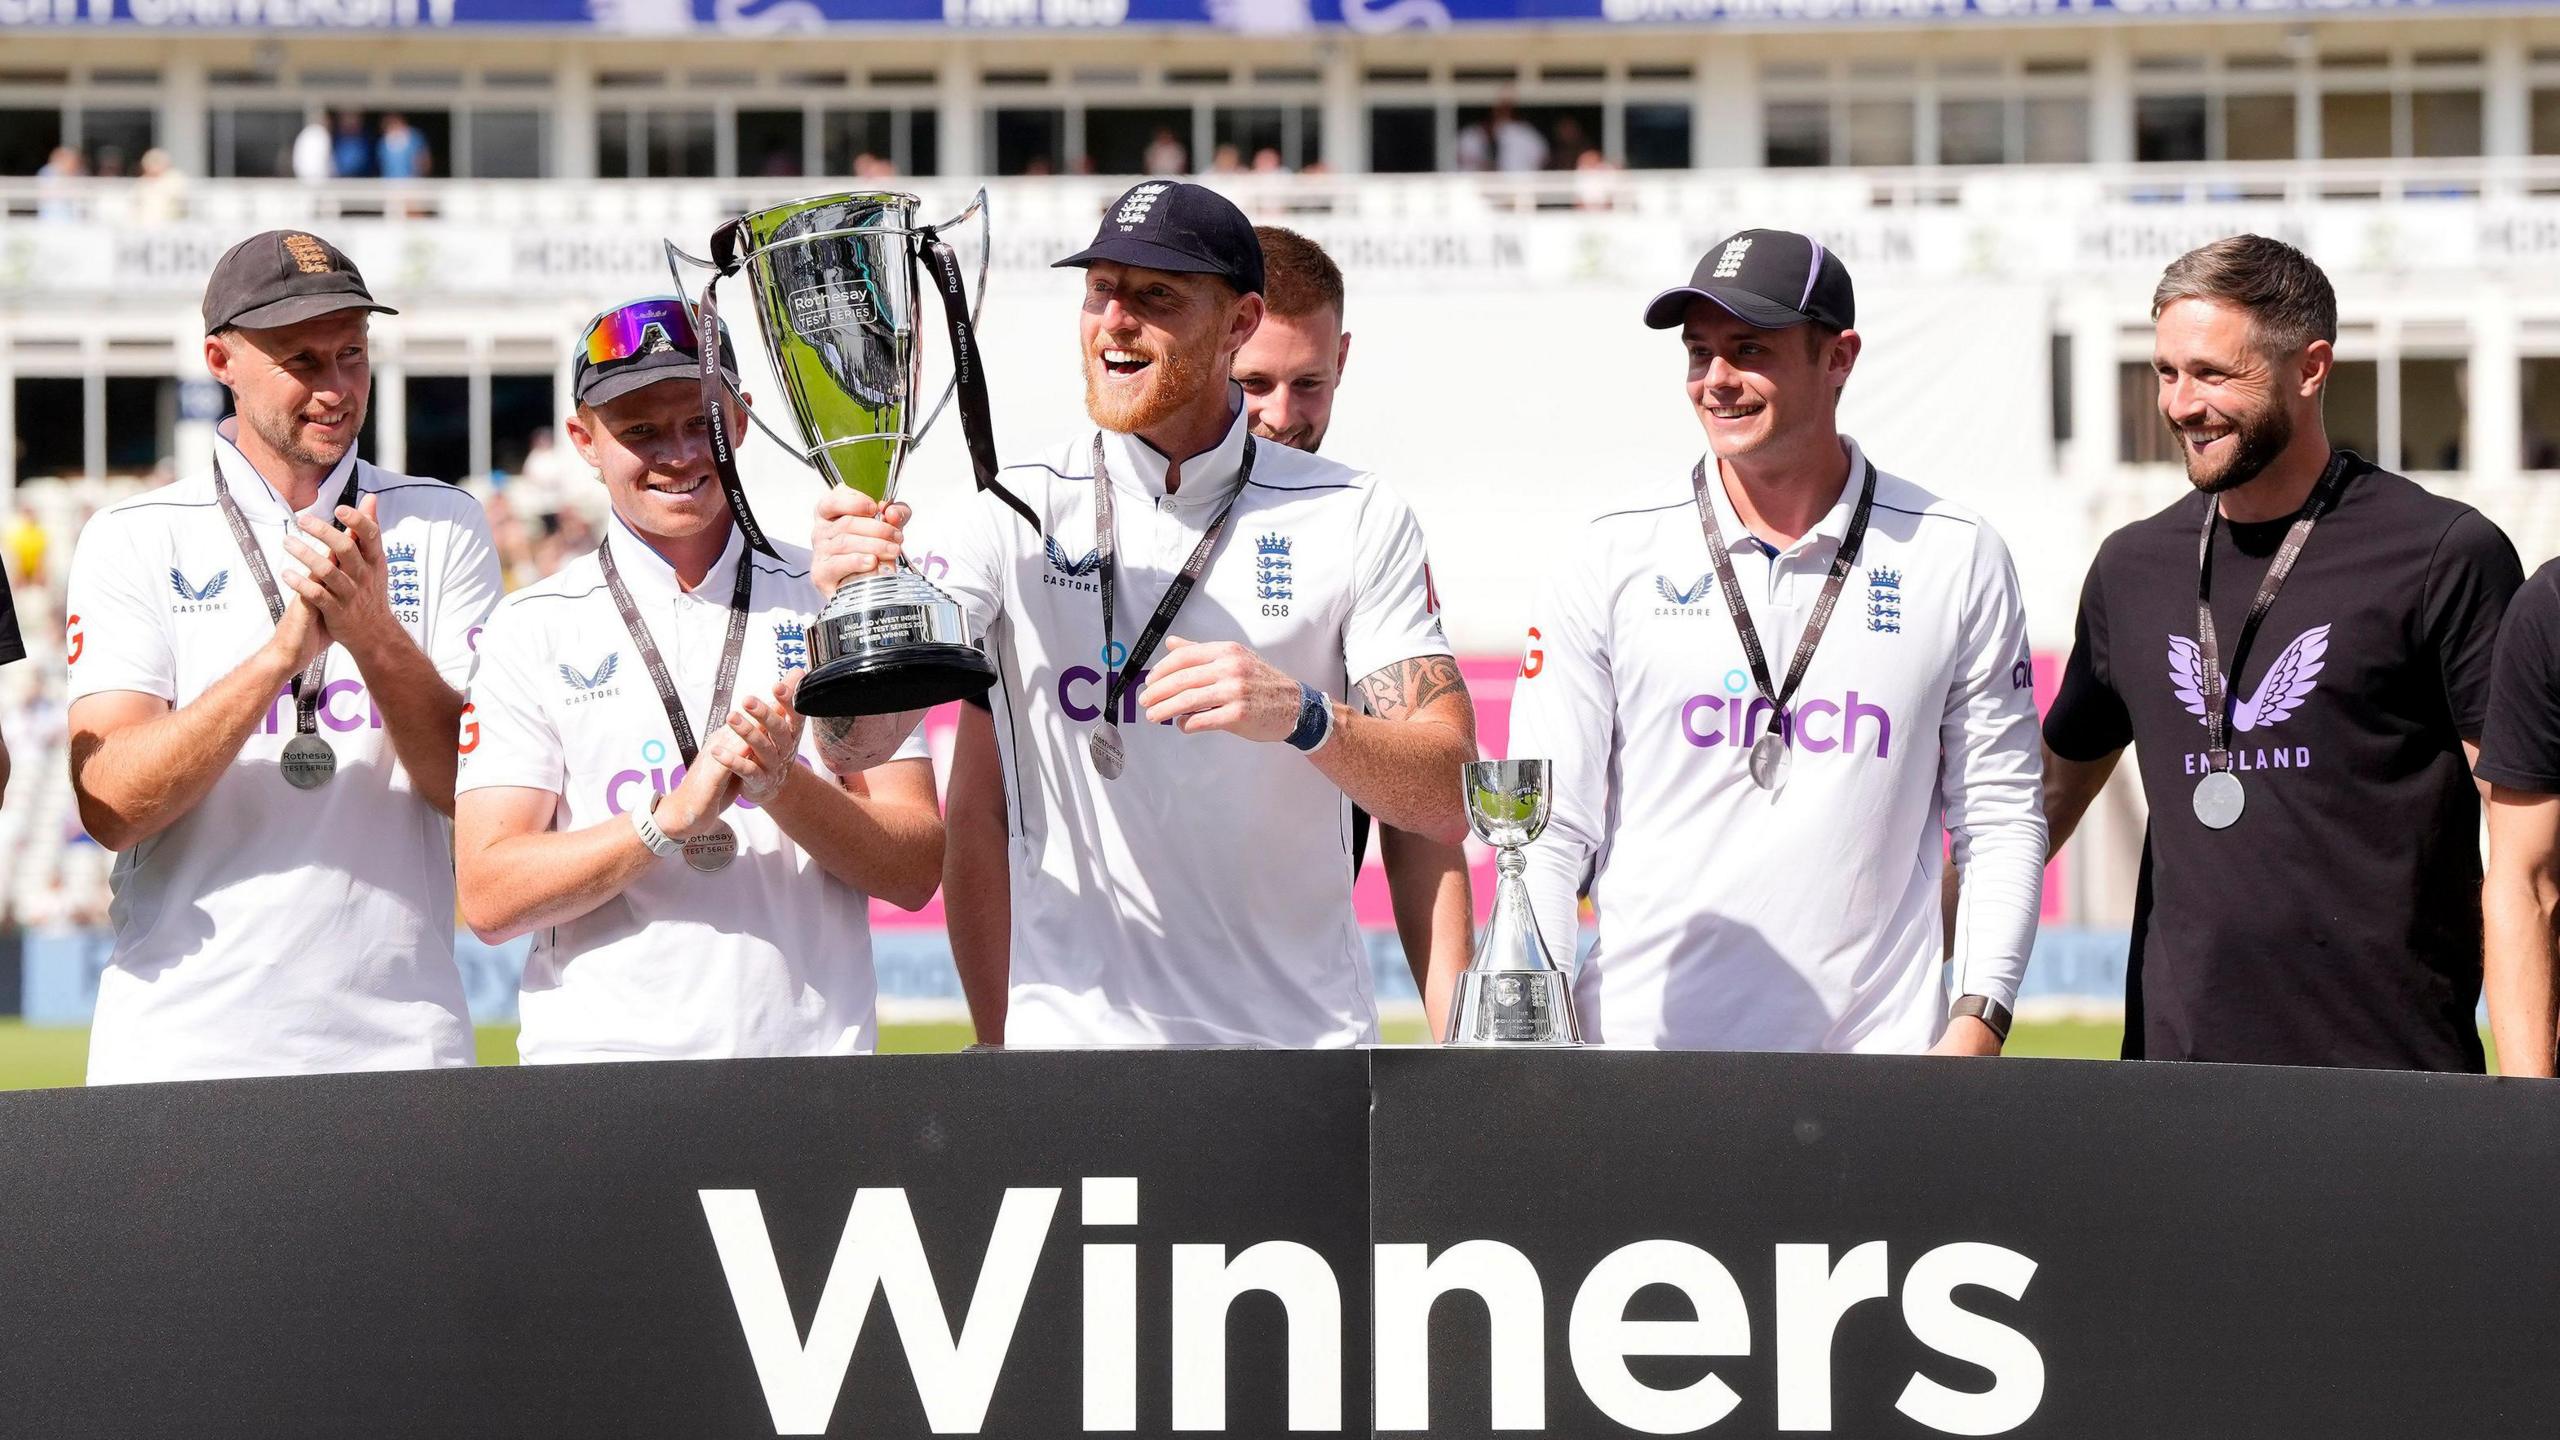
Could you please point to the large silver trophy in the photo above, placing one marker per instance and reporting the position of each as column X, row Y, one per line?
column 1512, row 993
column 834, row 280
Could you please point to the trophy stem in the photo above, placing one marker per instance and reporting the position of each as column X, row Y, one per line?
column 1513, row 992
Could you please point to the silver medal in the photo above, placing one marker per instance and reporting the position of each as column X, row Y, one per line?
column 2219, row 800
column 713, row 849
column 308, row 762
column 1769, row 761
column 1110, row 756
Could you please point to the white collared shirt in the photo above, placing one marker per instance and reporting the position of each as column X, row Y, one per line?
column 1807, row 919
column 1204, row 897
column 274, row 930
column 770, row 956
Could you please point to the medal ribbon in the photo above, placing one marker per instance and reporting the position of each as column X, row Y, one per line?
column 1740, row 609
column 1106, row 548
column 2217, row 699
column 731, row 647
column 307, row 684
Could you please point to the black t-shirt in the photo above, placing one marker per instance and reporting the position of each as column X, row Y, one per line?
column 12, row 646
column 2520, row 746
column 2338, row 923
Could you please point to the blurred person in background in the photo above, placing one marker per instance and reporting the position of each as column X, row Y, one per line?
column 1226, row 160
column 27, row 544
column 56, row 181
column 1130, row 921
column 402, row 153
column 351, row 149
column 1755, row 768
column 160, row 192
column 1167, row 155
column 2311, row 882
column 758, row 941
column 314, row 160
column 264, row 659
column 1502, row 142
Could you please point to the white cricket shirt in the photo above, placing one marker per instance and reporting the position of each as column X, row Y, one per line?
column 770, row 956
column 1204, row 897
column 1807, row 919
column 275, row 930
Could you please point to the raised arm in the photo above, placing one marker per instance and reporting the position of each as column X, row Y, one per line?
column 138, row 766
column 878, row 831
column 514, row 874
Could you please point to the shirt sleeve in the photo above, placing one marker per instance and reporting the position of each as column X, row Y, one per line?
column 466, row 593
column 1990, row 781
column 956, row 545
column 508, row 737
column 1564, row 711
column 2520, row 740
column 2089, row 720
column 116, row 619
column 2470, row 579
column 1394, row 614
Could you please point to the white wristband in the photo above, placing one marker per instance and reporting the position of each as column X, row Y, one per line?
column 660, row 843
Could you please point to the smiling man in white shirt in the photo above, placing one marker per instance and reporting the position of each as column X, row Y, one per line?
column 1761, row 690
column 602, row 743
column 1181, row 861
column 264, row 658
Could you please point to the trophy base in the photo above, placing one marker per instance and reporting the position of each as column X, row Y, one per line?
column 1514, row 1007
column 890, row 643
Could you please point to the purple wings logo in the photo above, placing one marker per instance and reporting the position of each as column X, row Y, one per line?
column 2287, row 683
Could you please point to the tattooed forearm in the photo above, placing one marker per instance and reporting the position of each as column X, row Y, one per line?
column 851, row 744
column 1410, row 686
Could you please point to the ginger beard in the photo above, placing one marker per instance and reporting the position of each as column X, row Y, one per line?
column 1167, row 379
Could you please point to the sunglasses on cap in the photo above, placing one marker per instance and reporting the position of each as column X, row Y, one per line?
column 645, row 327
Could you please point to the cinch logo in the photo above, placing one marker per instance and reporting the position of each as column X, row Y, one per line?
column 595, row 686
column 1082, row 689
column 1069, row 574
column 1736, row 719
column 882, row 1253
column 407, row 592
column 198, row 598
column 2287, row 683
column 1677, row 601
column 622, row 789
column 1884, row 600
column 933, row 566
column 344, row 706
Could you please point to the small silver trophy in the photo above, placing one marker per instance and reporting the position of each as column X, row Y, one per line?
column 1511, row 993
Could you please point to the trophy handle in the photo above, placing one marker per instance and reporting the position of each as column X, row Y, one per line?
column 677, row 259
column 986, row 253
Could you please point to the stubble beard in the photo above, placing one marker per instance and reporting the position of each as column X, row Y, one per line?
column 283, row 434
column 2256, row 442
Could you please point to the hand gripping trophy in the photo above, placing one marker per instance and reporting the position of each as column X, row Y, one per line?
column 834, row 282
column 1511, row 993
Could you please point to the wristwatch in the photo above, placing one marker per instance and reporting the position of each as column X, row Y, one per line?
column 660, row 843
column 1985, row 1009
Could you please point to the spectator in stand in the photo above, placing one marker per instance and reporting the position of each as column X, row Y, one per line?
column 313, row 163
column 1038, row 165
column 352, row 151
column 25, row 542
column 1571, row 144
column 110, row 164
column 1267, row 161
column 1502, row 141
column 55, row 180
column 1226, row 160
column 1166, row 155
column 160, row 195
column 1591, row 183
column 402, row 153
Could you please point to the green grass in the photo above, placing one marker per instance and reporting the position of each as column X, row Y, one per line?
column 33, row 1057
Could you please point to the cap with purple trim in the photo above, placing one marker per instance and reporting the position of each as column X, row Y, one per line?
column 1773, row 279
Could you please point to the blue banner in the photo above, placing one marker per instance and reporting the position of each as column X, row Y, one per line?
column 1274, row 17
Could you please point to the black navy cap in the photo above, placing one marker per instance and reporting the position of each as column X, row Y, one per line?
column 283, row 277
column 1174, row 225
column 1773, row 279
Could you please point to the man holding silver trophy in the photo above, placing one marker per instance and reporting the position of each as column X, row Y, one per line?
column 1180, row 876
column 584, row 775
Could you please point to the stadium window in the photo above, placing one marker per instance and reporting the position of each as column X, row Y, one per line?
column 439, row 426
column 1403, row 139
column 2444, row 123
column 2057, row 130
column 142, row 418
column 906, row 139
column 1658, row 135
column 1252, row 129
column 254, row 143
column 519, row 407
column 2058, row 378
column 2352, row 408
column 2546, row 122
column 656, row 144
column 772, row 143
column 28, row 136
column 509, row 144
column 1116, row 138
column 1029, row 142
column 1569, row 130
column 1796, row 133
column 1973, row 132
column 2355, row 125
column 2434, row 413
column 2257, row 127
column 113, row 140
column 1882, row 132
column 2540, row 378
column 2169, row 128
column 2142, row 437
column 51, row 436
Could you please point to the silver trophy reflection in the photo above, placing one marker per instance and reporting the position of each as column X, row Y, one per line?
column 1512, row 993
